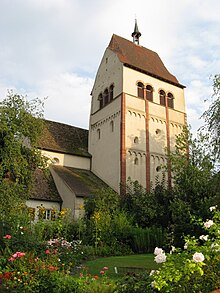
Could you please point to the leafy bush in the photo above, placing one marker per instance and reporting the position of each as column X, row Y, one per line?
column 197, row 268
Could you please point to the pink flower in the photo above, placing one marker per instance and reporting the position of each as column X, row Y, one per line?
column 81, row 275
column 11, row 259
column 18, row 254
column 102, row 272
column 105, row 268
column 7, row 236
column 47, row 251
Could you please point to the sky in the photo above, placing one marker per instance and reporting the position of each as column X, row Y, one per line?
column 52, row 48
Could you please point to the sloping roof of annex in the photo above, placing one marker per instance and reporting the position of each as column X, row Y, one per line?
column 63, row 138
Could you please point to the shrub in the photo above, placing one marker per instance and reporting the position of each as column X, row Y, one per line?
column 197, row 268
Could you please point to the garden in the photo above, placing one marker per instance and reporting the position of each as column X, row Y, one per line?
column 162, row 240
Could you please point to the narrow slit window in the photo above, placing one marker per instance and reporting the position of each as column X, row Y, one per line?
column 106, row 97
column 99, row 133
column 101, row 102
column 111, row 92
column 112, row 126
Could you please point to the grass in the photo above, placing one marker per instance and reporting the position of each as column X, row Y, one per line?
column 142, row 261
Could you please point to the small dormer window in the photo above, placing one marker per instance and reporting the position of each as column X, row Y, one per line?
column 140, row 90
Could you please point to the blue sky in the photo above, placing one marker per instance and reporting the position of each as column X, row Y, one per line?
column 52, row 48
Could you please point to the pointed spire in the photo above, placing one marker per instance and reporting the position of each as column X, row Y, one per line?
column 136, row 34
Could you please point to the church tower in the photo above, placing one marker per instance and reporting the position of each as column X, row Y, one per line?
column 137, row 109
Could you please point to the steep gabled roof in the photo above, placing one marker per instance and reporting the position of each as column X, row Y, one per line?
column 64, row 138
column 141, row 59
column 82, row 182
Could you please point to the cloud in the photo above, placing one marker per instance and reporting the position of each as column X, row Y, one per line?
column 53, row 48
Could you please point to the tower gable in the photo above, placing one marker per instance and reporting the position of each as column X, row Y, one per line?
column 141, row 59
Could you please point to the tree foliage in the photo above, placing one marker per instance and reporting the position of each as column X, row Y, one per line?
column 20, row 126
column 212, row 118
column 194, row 189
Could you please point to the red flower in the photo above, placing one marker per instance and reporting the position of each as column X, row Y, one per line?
column 52, row 268
column 7, row 275
column 102, row 272
column 47, row 251
column 96, row 277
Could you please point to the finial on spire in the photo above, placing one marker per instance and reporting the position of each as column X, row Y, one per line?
column 136, row 34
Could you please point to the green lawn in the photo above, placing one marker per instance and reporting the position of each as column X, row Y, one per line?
column 143, row 261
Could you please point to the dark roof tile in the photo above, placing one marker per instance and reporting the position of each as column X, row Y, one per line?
column 82, row 182
column 43, row 187
column 64, row 138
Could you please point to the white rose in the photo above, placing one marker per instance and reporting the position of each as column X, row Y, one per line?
column 198, row 257
column 158, row 250
column 160, row 258
column 154, row 272
column 204, row 237
column 208, row 223
column 185, row 246
column 212, row 208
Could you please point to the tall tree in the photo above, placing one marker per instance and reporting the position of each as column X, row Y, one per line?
column 212, row 118
column 20, row 126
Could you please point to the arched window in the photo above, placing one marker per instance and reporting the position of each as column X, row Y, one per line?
column 111, row 92
column 170, row 99
column 99, row 133
column 106, row 97
column 162, row 97
column 140, row 90
column 101, row 102
column 136, row 139
column 149, row 92
column 112, row 126
column 136, row 161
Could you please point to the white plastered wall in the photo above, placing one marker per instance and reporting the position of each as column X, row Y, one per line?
column 36, row 204
column 135, row 125
column 68, row 160
column 105, row 150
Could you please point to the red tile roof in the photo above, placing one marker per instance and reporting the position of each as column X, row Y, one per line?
column 141, row 59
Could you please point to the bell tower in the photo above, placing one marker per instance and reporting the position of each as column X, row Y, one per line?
column 137, row 109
